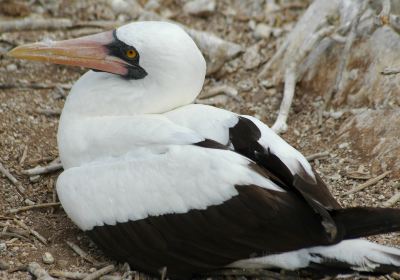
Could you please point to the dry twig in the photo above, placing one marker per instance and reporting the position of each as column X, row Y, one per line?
column 68, row 274
column 49, row 112
column 100, row 272
column 391, row 71
column 344, row 58
column 43, row 169
column 221, row 89
column 12, row 179
column 31, row 231
column 24, row 154
column 291, row 76
column 317, row 156
column 52, row 24
column 392, row 201
column 35, row 206
column 36, row 270
column 368, row 183
column 82, row 253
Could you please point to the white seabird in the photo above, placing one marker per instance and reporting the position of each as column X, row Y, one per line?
column 160, row 182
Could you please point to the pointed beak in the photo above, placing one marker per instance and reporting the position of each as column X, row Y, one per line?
column 89, row 51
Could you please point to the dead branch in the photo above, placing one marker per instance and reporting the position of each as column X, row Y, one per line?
column 43, row 169
column 12, row 179
column 291, row 76
column 35, row 206
column 83, row 254
column 392, row 201
column 273, row 59
column 344, row 59
column 13, row 235
column 100, row 272
column 36, row 270
column 221, row 89
column 24, row 154
column 367, row 184
column 31, row 231
column 68, row 274
column 391, row 71
column 318, row 156
column 257, row 273
column 34, row 85
column 49, row 112
column 29, row 24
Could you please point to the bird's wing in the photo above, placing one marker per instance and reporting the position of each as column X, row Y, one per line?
column 255, row 140
column 186, row 207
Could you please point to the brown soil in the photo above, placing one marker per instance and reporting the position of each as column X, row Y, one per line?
column 22, row 126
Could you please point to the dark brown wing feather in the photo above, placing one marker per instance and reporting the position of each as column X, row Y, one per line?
column 244, row 138
column 254, row 222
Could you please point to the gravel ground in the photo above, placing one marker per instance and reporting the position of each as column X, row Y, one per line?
column 25, row 129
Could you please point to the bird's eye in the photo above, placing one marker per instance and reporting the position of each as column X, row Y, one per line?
column 131, row 53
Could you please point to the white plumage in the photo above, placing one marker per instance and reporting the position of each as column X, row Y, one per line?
column 140, row 160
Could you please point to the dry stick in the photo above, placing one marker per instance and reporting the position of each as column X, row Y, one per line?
column 52, row 24
column 343, row 62
column 221, row 89
column 68, row 274
column 385, row 13
column 14, row 235
column 100, row 272
column 30, row 207
column 34, row 86
column 42, row 169
column 31, row 231
column 82, row 253
column 40, row 160
column 12, row 179
column 250, row 273
column 368, row 183
column 49, row 112
column 291, row 75
column 390, row 71
column 317, row 156
column 274, row 58
column 36, row 270
column 392, row 201
column 24, row 154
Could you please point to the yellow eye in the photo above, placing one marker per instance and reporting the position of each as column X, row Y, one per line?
column 131, row 54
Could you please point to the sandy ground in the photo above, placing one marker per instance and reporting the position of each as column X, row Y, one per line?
column 23, row 127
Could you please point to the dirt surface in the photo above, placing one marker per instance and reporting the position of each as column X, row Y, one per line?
column 24, row 127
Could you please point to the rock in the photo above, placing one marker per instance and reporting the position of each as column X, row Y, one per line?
column 48, row 258
column 246, row 10
column 127, row 7
column 3, row 247
column 251, row 57
column 245, row 85
column 374, row 136
column 199, row 7
column 262, row 31
column 4, row 265
column 11, row 67
column 152, row 5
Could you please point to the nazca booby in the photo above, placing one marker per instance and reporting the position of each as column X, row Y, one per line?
column 159, row 182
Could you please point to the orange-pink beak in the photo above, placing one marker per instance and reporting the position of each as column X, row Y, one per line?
column 89, row 51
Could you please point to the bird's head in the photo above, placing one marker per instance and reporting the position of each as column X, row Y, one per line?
column 159, row 53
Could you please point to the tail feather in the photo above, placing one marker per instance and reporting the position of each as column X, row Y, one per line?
column 355, row 255
column 349, row 256
column 364, row 221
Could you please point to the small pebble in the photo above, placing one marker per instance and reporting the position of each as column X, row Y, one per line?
column 62, row 263
column 34, row 179
column 251, row 57
column 29, row 202
column 92, row 269
column 4, row 265
column 199, row 7
column 262, row 31
column 48, row 258
column 3, row 247
column 11, row 67
column 245, row 85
